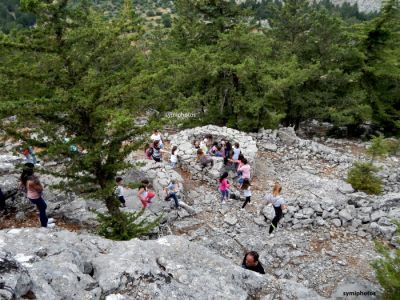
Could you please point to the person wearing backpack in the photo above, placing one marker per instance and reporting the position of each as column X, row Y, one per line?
column 156, row 152
column 148, row 151
column 278, row 203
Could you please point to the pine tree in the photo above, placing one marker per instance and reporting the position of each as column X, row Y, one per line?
column 68, row 78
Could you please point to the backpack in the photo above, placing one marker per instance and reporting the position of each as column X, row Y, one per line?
column 150, row 151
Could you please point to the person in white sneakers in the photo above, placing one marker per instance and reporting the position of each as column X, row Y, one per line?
column 245, row 187
column 34, row 190
column 278, row 203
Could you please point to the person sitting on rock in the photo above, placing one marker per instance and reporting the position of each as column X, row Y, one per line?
column 204, row 159
column 203, row 145
column 196, row 145
column 251, row 262
column 213, row 149
column 278, row 203
column 144, row 194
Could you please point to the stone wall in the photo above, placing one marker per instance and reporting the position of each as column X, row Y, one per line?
column 187, row 153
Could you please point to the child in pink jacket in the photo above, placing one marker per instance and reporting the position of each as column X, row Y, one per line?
column 224, row 187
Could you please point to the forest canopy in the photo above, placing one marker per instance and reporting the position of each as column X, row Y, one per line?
column 246, row 66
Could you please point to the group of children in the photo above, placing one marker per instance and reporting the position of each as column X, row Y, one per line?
column 155, row 149
column 234, row 160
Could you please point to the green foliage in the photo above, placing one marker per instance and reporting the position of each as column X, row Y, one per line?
column 393, row 146
column 387, row 269
column 125, row 225
column 378, row 147
column 11, row 16
column 166, row 20
column 69, row 78
column 362, row 177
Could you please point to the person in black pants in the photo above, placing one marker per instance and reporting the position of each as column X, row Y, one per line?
column 278, row 203
column 245, row 187
column 251, row 262
column 2, row 200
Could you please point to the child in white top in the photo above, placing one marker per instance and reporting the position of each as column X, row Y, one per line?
column 246, row 188
column 174, row 157
column 156, row 136
column 119, row 190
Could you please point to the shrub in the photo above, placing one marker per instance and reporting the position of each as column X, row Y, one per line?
column 393, row 146
column 387, row 269
column 362, row 177
column 125, row 225
column 378, row 147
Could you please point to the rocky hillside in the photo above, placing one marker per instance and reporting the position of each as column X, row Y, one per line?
column 322, row 249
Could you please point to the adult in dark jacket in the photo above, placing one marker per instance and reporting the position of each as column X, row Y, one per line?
column 251, row 262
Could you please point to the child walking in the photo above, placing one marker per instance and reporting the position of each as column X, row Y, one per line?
column 171, row 190
column 144, row 194
column 119, row 190
column 278, row 203
column 245, row 187
column 224, row 187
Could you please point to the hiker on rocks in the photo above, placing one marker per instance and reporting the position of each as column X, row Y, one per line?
column 119, row 191
column 236, row 152
column 203, row 146
column 174, row 157
column 156, row 136
column 251, row 262
column 196, row 145
column 244, row 170
column 144, row 194
column 278, row 203
column 246, row 188
column 228, row 149
column 147, row 151
column 34, row 190
column 204, row 160
column 155, row 151
column 224, row 187
column 220, row 152
column 171, row 191
column 213, row 149
column 209, row 140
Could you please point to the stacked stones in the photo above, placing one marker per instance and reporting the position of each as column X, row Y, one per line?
column 363, row 215
column 187, row 153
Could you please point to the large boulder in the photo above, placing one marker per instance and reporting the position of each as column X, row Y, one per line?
column 67, row 265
